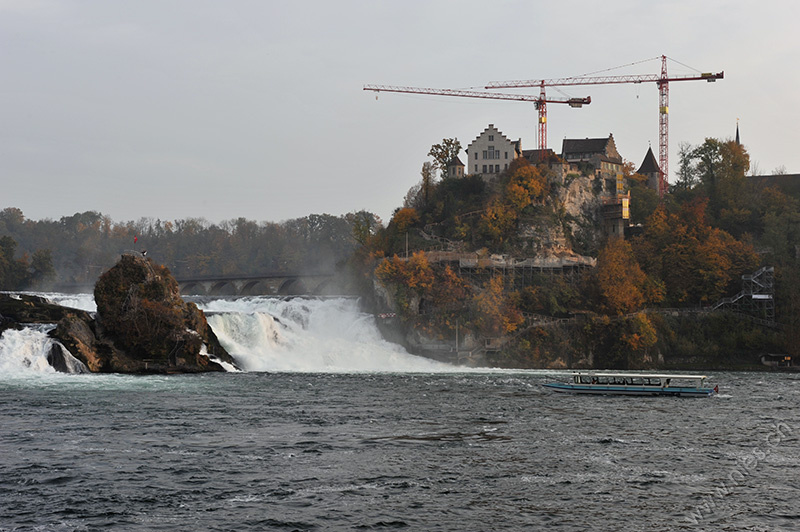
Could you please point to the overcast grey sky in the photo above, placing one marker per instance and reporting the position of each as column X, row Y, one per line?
column 223, row 109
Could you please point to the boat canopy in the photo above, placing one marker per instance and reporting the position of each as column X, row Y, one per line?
column 638, row 375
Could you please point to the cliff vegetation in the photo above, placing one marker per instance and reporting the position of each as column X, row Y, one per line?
column 448, row 266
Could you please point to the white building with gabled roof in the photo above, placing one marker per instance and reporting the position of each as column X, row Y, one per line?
column 491, row 153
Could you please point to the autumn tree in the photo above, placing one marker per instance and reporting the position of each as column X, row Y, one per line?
column 696, row 263
column 717, row 169
column 644, row 199
column 444, row 153
column 408, row 280
column 525, row 186
column 420, row 195
column 495, row 314
column 85, row 244
column 365, row 224
column 24, row 272
column 498, row 223
column 621, row 285
column 428, row 177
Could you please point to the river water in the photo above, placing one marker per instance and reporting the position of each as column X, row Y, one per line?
column 331, row 428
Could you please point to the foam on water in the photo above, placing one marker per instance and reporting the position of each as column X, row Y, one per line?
column 78, row 301
column 25, row 352
column 308, row 335
column 262, row 334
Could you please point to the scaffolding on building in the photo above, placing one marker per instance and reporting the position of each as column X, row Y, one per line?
column 516, row 273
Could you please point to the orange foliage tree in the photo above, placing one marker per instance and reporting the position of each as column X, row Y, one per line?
column 640, row 333
column 495, row 313
column 415, row 283
column 619, row 281
column 498, row 223
column 414, row 273
column 525, row 186
column 697, row 263
column 404, row 219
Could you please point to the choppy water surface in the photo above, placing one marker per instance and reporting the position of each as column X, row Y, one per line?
column 443, row 451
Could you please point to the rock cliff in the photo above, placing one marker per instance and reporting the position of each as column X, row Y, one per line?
column 146, row 324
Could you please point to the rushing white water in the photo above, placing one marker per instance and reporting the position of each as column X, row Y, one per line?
column 23, row 352
column 78, row 301
column 262, row 334
column 308, row 335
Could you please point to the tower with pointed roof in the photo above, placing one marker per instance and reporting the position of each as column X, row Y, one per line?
column 455, row 168
column 650, row 169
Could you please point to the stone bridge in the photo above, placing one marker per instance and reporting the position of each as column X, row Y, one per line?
column 276, row 284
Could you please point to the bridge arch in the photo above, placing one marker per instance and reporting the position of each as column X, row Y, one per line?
column 292, row 287
column 250, row 288
column 223, row 288
column 323, row 288
column 193, row 289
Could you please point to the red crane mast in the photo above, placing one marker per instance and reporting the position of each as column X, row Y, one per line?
column 540, row 102
column 661, row 80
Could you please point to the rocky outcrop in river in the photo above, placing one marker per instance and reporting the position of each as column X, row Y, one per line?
column 142, row 324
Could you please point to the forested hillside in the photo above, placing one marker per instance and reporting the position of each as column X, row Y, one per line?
column 79, row 248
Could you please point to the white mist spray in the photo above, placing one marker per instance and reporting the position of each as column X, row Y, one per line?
column 308, row 335
column 261, row 333
column 24, row 352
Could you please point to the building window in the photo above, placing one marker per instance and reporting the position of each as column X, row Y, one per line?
column 484, row 154
column 476, row 168
column 506, row 168
column 477, row 155
column 497, row 169
column 506, row 155
column 491, row 137
column 484, row 168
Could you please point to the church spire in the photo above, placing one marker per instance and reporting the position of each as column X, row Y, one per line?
column 737, row 133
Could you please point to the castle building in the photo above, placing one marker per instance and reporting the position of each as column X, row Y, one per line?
column 600, row 153
column 491, row 152
column 600, row 158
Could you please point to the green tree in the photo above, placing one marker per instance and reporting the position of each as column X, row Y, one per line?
column 687, row 168
column 720, row 168
column 41, row 267
column 428, row 178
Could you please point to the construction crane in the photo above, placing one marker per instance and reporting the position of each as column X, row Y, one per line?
column 540, row 102
column 662, row 81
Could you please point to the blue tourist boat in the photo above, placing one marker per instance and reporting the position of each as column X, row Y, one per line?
column 635, row 384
